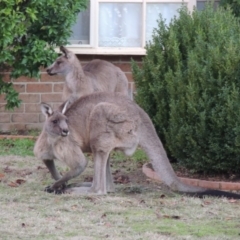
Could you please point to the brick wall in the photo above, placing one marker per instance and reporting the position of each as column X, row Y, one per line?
column 47, row 89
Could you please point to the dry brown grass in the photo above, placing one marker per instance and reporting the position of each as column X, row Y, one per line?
column 138, row 210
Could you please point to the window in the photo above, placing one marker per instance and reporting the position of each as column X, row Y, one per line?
column 120, row 26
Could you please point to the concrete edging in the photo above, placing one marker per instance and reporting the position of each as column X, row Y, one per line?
column 220, row 185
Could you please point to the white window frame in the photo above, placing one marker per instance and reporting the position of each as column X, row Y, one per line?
column 93, row 47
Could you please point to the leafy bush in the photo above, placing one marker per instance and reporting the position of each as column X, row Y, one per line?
column 29, row 31
column 189, row 84
column 234, row 4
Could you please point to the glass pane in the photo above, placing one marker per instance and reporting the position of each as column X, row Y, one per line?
column 120, row 24
column 201, row 4
column 81, row 29
column 168, row 10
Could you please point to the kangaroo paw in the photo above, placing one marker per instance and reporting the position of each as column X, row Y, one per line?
column 49, row 189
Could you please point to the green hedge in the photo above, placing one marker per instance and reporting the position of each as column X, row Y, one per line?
column 189, row 84
column 234, row 4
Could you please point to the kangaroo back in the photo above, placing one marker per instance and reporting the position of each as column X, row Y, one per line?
column 96, row 76
column 106, row 77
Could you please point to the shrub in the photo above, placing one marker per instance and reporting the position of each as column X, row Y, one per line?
column 234, row 4
column 189, row 84
column 29, row 31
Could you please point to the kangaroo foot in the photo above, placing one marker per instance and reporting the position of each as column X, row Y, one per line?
column 58, row 190
column 78, row 190
column 84, row 184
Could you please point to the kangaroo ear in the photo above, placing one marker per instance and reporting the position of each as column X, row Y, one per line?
column 65, row 107
column 65, row 51
column 46, row 109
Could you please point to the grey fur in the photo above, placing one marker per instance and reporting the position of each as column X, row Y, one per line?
column 96, row 76
column 100, row 123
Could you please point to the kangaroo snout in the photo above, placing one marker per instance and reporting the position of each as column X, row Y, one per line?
column 65, row 132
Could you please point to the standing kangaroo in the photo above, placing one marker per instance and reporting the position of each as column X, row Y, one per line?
column 96, row 76
column 100, row 123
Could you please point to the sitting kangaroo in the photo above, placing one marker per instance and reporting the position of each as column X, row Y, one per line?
column 100, row 123
column 96, row 76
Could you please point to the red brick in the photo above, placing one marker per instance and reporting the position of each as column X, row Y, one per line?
column 110, row 58
column 4, row 117
column 39, row 87
column 6, row 77
column 42, row 70
column 32, row 108
column 47, row 78
column 48, row 98
column 19, row 87
column 34, row 126
column 42, row 118
column 30, row 98
column 2, row 98
column 125, row 67
column 131, row 86
column 56, row 105
column 2, row 108
column 4, row 128
column 127, row 58
column 58, row 87
column 139, row 64
column 25, row 118
column 85, row 58
column 129, row 77
column 8, row 127
column 6, row 70
column 25, row 79
column 20, row 109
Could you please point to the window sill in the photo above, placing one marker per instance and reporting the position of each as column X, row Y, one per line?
column 106, row 51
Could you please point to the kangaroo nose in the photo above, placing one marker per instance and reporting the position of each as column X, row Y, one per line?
column 49, row 71
column 65, row 132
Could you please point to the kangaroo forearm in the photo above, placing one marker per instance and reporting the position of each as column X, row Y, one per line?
column 51, row 167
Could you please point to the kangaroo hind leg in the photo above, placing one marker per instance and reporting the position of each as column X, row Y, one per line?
column 109, row 177
column 102, row 179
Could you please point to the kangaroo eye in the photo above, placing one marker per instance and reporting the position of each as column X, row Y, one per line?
column 54, row 121
column 58, row 63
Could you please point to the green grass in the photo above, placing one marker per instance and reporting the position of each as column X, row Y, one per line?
column 138, row 156
column 20, row 147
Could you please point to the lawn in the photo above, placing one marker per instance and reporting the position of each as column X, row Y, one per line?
column 140, row 208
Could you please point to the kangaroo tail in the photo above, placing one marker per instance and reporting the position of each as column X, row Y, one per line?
column 152, row 145
column 214, row 193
